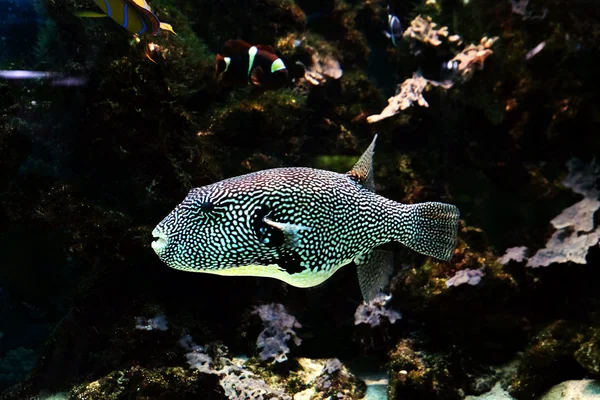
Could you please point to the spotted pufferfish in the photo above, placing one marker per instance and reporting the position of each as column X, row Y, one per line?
column 300, row 225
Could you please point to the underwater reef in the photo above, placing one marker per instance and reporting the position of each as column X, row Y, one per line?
column 101, row 146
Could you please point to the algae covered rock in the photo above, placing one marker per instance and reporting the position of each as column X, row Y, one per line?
column 588, row 354
column 567, row 344
column 333, row 380
column 143, row 383
column 474, row 316
column 416, row 373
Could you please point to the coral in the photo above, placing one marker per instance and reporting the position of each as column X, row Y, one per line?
column 472, row 57
column 469, row 60
column 335, row 381
column 279, row 328
column 424, row 30
column 237, row 382
column 575, row 232
column 579, row 216
column 470, row 276
column 371, row 313
column 517, row 254
column 321, row 69
column 240, row 384
column 408, row 92
column 564, row 247
column 242, row 380
column 325, row 379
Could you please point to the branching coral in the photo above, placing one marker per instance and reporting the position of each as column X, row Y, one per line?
column 321, row 69
column 473, row 56
column 563, row 247
column 470, row 276
column 409, row 91
column 575, row 232
column 469, row 60
column 424, row 30
column 517, row 254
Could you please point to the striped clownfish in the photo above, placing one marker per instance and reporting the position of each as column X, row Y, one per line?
column 300, row 225
column 244, row 64
column 133, row 15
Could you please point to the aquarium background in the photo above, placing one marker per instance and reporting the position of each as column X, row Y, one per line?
column 103, row 133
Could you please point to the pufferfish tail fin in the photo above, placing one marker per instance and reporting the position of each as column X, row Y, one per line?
column 429, row 228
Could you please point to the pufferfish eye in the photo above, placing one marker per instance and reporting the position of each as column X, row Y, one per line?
column 207, row 206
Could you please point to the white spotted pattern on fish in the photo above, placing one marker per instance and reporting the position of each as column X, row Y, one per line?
column 298, row 225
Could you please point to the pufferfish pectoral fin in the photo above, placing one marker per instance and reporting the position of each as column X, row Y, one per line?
column 374, row 272
column 362, row 172
column 291, row 232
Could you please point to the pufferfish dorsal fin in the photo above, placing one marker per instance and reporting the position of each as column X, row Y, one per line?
column 362, row 172
column 291, row 232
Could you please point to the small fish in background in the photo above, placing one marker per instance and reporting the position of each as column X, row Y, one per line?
column 449, row 71
column 55, row 78
column 533, row 52
column 244, row 64
column 394, row 31
column 300, row 225
column 450, row 66
column 133, row 15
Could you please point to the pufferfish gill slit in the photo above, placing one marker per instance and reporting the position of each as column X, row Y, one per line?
column 300, row 225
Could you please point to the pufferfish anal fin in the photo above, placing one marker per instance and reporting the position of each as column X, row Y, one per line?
column 362, row 172
column 374, row 271
column 291, row 232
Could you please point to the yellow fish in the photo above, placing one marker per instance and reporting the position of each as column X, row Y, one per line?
column 133, row 15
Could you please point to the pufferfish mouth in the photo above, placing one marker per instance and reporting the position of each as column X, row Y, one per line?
column 161, row 241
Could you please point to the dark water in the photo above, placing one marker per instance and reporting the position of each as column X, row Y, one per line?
column 103, row 133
